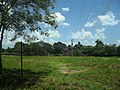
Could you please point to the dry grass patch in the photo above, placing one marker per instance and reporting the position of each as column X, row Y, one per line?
column 30, row 61
column 66, row 70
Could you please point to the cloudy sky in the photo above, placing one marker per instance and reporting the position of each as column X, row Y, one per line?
column 84, row 21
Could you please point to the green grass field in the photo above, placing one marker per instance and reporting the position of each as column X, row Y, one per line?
column 62, row 73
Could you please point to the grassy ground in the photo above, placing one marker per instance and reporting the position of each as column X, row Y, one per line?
column 62, row 73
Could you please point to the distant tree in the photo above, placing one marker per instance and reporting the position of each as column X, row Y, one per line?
column 78, row 45
column 17, row 48
column 26, row 49
column 59, row 48
column 35, row 48
column 69, row 50
column 99, row 43
column 19, row 15
column 48, row 48
column 110, row 50
column 77, row 52
column 99, row 48
column 77, row 49
column 118, row 50
column 88, row 50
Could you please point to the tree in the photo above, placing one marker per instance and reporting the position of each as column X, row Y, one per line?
column 118, row 50
column 87, row 50
column 110, row 50
column 17, row 48
column 19, row 15
column 99, row 43
column 77, row 49
column 59, row 48
column 99, row 48
column 79, row 45
column 48, row 48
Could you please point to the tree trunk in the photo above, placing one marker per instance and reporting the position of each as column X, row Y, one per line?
column 1, row 66
column 21, row 62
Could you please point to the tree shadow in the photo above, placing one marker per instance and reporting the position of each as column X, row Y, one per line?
column 12, row 79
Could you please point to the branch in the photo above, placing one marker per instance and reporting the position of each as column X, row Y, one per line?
column 12, row 4
column 2, row 34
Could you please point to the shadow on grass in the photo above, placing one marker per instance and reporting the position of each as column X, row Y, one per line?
column 12, row 79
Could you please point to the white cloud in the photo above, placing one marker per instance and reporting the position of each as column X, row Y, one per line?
column 88, row 42
column 66, row 9
column 51, row 41
column 8, row 35
column 118, row 41
column 6, row 40
column 53, row 36
column 100, row 34
column 66, row 24
column 61, row 19
column 87, row 37
column 90, row 24
column 108, row 20
column 81, row 34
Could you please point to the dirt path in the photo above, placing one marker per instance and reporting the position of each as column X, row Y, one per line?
column 65, row 70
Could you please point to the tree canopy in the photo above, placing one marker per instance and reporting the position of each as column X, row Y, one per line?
column 19, row 15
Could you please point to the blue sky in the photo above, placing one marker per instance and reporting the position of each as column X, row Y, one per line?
column 104, row 14
column 84, row 21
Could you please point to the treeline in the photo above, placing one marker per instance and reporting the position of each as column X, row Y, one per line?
column 61, row 49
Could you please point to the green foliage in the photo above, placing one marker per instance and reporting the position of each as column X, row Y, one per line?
column 118, row 50
column 59, row 48
column 19, row 15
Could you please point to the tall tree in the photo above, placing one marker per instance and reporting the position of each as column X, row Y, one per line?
column 59, row 48
column 19, row 15
column 118, row 51
column 99, row 48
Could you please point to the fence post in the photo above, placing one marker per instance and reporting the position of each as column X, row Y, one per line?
column 21, row 61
